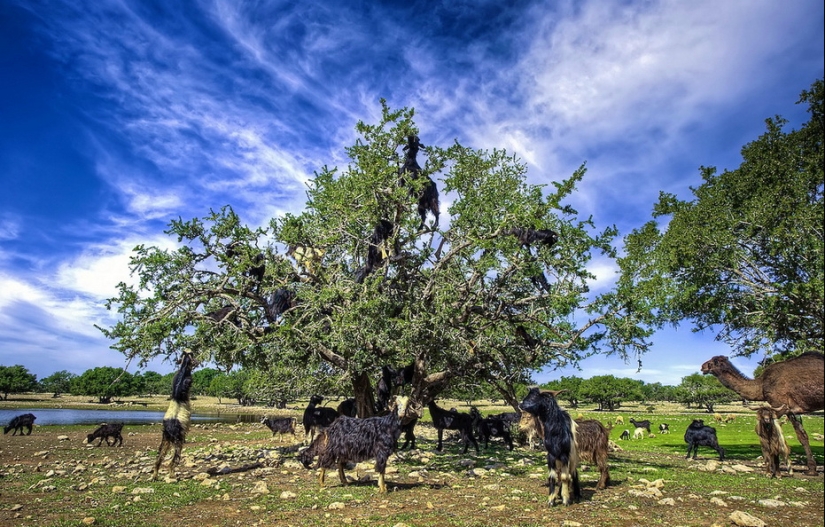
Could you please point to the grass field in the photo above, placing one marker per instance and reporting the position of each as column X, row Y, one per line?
column 52, row 481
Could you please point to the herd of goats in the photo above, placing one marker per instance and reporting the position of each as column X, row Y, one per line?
column 337, row 437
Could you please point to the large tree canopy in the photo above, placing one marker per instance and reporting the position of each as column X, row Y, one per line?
column 358, row 280
column 746, row 254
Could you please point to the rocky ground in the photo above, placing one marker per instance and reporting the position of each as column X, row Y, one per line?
column 241, row 475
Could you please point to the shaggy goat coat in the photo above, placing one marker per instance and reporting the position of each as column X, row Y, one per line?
column 560, row 442
column 177, row 417
column 317, row 417
column 592, row 440
column 354, row 440
column 772, row 441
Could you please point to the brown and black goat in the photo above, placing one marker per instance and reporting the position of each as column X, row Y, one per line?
column 105, row 431
column 177, row 417
column 771, row 440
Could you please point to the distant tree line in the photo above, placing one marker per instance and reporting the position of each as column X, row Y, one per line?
column 275, row 388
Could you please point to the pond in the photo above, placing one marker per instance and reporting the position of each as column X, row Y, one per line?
column 67, row 416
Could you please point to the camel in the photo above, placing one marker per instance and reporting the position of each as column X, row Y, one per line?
column 793, row 387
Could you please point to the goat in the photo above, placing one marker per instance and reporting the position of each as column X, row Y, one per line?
column 699, row 434
column 592, row 439
column 619, row 420
column 428, row 199
column 316, row 417
column 718, row 418
column 390, row 379
column 105, row 431
column 452, row 420
column 531, row 427
column 354, row 440
column 348, row 408
column 664, row 428
column 730, row 418
column 491, row 427
column 560, row 443
column 17, row 423
column 280, row 425
column 177, row 417
column 639, row 433
column 528, row 236
column 641, row 424
column 625, row 435
column 408, row 429
column 771, row 440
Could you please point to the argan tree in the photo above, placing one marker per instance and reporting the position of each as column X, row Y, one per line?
column 744, row 256
column 358, row 280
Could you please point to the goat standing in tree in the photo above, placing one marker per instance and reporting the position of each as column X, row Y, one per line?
column 176, row 419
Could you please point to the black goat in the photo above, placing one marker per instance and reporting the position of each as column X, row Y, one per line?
column 348, row 408
column 105, row 431
column 278, row 303
column 428, row 198
column 452, row 420
column 354, row 440
column 625, row 435
column 699, row 434
column 487, row 427
column 280, row 425
column 317, row 417
column 177, row 417
column 408, row 429
column 664, row 428
column 641, row 424
column 19, row 422
column 391, row 378
column 528, row 236
column 560, row 443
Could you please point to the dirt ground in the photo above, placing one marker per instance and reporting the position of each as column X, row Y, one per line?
column 52, row 478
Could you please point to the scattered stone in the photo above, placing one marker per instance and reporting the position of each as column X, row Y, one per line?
column 16, row 507
column 772, row 504
column 143, row 490
column 667, row 501
column 62, row 438
column 288, row 495
column 719, row 502
column 743, row 519
column 335, row 505
column 570, row 523
column 260, row 488
column 118, row 489
column 88, row 520
column 741, row 468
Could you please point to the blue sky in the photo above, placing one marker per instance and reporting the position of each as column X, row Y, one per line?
column 117, row 116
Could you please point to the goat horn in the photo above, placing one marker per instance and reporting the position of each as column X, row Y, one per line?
column 554, row 393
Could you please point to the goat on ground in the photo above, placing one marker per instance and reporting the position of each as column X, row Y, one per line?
column 664, row 428
column 177, row 417
column 18, row 423
column 772, row 441
column 641, row 424
column 592, row 440
column 354, row 440
column 560, row 443
column 105, row 431
column 699, row 434
column 280, row 425
column 625, row 435
column 452, row 420
column 487, row 427
column 730, row 418
column 619, row 420
column 718, row 418
column 639, row 433
column 317, row 417
column 348, row 408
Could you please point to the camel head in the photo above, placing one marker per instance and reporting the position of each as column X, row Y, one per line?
column 716, row 364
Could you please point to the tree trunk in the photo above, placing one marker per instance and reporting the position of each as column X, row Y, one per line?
column 364, row 395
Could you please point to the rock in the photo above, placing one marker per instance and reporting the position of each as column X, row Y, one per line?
column 741, row 468
column 570, row 523
column 88, row 521
column 288, row 495
column 260, row 488
column 62, row 438
column 143, row 490
column 335, row 505
column 16, row 507
column 743, row 519
column 667, row 501
column 772, row 504
column 719, row 502
column 118, row 489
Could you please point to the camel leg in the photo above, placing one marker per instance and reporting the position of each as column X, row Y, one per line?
column 796, row 421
